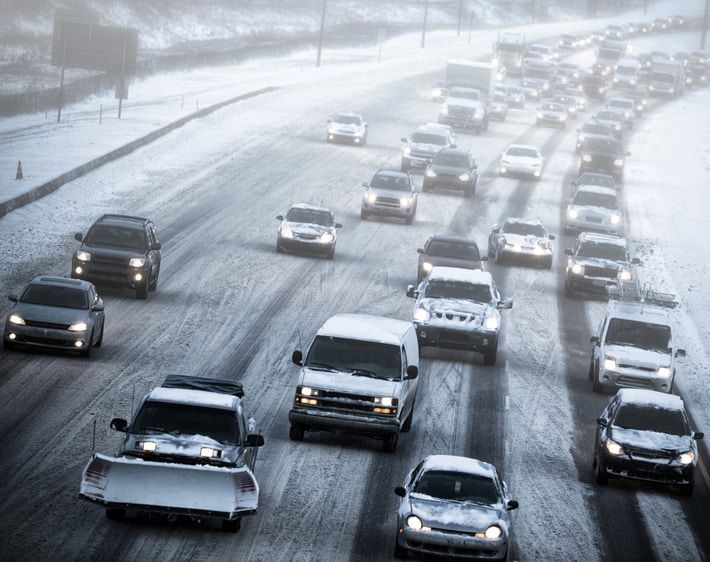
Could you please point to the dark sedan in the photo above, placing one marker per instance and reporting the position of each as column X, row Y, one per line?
column 452, row 169
column 448, row 250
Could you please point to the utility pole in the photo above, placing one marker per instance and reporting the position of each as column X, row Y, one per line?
column 458, row 23
column 706, row 21
column 470, row 25
column 645, row 7
column 426, row 14
column 320, row 35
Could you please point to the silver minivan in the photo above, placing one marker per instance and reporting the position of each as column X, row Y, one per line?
column 359, row 376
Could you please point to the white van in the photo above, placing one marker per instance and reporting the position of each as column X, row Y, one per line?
column 359, row 376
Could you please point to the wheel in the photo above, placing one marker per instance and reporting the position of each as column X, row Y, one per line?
column 87, row 352
column 232, row 525
column 686, row 490
column 568, row 290
column 399, row 553
column 142, row 291
column 404, row 168
column 489, row 357
column 409, row 219
column 600, row 474
column 115, row 514
column 597, row 386
column 101, row 338
column 296, row 432
column 407, row 426
column 389, row 443
column 279, row 249
column 154, row 282
column 7, row 346
column 548, row 264
column 467, row 193
column 330, row 254
column 363, row 215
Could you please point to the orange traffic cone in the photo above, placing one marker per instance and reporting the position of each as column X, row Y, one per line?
column 19, row 175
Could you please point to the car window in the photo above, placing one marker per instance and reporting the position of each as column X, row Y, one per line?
column 309, row 216
column 449, row 159
column 642, row 335
column 386, row 181
column 54, row 295
column 447, row 249
column 606, row 146
column 105, row 235
column 458, row 486
column 183, row 419
column 644, row 417
column 444, row 289
column 524, row 229
column 601, row 251
column 348, row 120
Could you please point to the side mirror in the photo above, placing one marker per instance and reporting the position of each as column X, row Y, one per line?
column 568, row 251
column 453, row 146
column 98, row 307
column 512, row 504
column 404, row 139
column 365, row 184
column 680, row 352
column 698, row 435
column 412, row 372
column 13, row 298
column 551, row 237
column 602, row 422
column 297, row 357
column 119, row 424
column 279, row 217
column 366, row 125
column 420, row 250
column 156, row 246
column 338, row 225
column 78, row 236
column 495, row 230
column 636, row 261
column 594, row 339
column 254, row 441
column 400, row 491
column 412, row 293
column 506, row 304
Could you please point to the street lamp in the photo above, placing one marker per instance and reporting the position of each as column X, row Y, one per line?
column 320, row 35
column 426, row 13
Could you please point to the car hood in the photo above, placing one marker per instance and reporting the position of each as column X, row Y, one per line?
column 345, row 382
column 456, row 306
column 440, row 168
column 525, row 240
column 463, row 102
column 180, row 446
column 651, row 440
column 450, row 262
column 635, row 357
column 592, row 210
column 553, row 114
column 394, row 193
column 307, row 229
column 521, row 160
column 426, row 147
column 456, row 516
column 126, row 253
column 53, row 314
column 344, row 128
column 600, row 262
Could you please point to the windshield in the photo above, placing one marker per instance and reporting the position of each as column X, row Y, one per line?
column 526, row 152
column 441, row 289
column 385, row 181
column 183, row 419
column 594, row 129
column 594, row 179
column 644, row 335
column 52, row 295
column 467, row 94
column 449, row 159
column 648, row 418
column 510, row 47
column 607, row 146
column 609, row 116
column 429, row 138
column 378, row 360
column 104, row 235
column 457, row 486
column 446, row 249
column 309, row 216
column 662, row 77
column 348, row 120
column 552, row 107
column 602, row 251
column 524, row 229
column 591, row 199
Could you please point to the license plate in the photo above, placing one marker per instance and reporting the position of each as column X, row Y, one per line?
column 599, row 283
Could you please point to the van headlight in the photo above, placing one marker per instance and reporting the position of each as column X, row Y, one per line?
column 573, row 213
column 615, row 219
column 601, row 90
column 664, row 372
column 436, row 92
column 370, row 198
column 493, row 532
column 79, row 327
column 286, row 232
column 136, row 262
column 614, row 448
column 577, row 269
column 490, row 323
column 610, row 363
column 83, row 256
column 421, row 315
column 686, row 458
column 326, row 238
column 430, row 173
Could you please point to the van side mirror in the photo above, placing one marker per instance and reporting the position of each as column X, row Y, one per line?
column 297, row 357
column 400, row 491
column 506, row 304
column 254, row 441
column 279, row 217
column 78, row 236
column 601, row 422
column 404, row 139
column 568, row 251
column 98, row 307
column 119, row 424
column 412, row 293
column 680, row 352
column 636, row 261
column 698, row 435
column 512, row 504
column 338, row 225
column 412, row 372
column 594, row 339
column 13, row 298
column 420, row 250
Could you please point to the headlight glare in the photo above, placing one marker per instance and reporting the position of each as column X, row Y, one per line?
column 421, row 315
column 664, row 372
column 370, row 197
column 686, row 458
column 136, row 262
column 493, row 532
column 573, row 213
column 405, row 201
column 625, row 275
column 490, row 323
column 286, row 232
column 83, row 256
column 619, row 162
column 406, row 150
column 79, row 327
column 615, row 219
column 587, row 157
column 413, row 522
column 464, row 177
column 426, row 266
column 610, row 363
column 326, row 238
column 430, row 173
column 578, row 269
column 15, row 319
column 614, row 448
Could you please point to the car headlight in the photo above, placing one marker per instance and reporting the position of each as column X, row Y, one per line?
column 421, row 315
column 370, row 197
column 15, row 319
column 490, row 323
column 610, row 363
column 581, row 137
column 601, row 90
column 686, row 458
column 286, row 232
column 615, row 219
column 625, row 275
column 306, row 391
column 326, row 238
column 518, row 63
column 444, row 110
column 426, row 266
column 614, row 448
column 413, row 522
column 545, row 86
column 464, row 177
column 148, row 446
column 577, row 269
column 587, row 157
column 639, row 107
column 573, row 213
column 619, row 162
column 405, row 201
column 436, row 92
column 385, row 401
column 540, row 115
column 79, row 327
column 83, row 256
column 664, row 372
column 430, row 173
column 617, row 127
column 136, row 262
column 209, row 452
column 493, row 532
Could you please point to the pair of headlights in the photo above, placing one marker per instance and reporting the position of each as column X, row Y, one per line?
column 325, row 238
column 611, row 364
column 432, row 174
column 616, row 450
column 493, row 532
column 133, row 262
column 76, row 327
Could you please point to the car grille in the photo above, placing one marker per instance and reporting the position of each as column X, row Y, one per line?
column 451, row 550
column 345, row 402
column 302, row 236
column 633, row 382
column 452, row 316
column 388, row 201
column 104, row 261
column 606, row 272
column 50, row 325
column 454, row 337
column 458, row 111
column 640, row 453
column 43, row 341
column 421, row 154
column 627, row 366
column 597, row 220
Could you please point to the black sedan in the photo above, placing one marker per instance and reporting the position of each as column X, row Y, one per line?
column 452, row 169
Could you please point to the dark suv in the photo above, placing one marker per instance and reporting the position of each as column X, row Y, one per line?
column 119, row 251
column 452, row 169
column 603, row 155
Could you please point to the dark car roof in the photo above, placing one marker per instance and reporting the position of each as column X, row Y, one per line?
column 125, row 221
column 392, row 172
column 60, row 282
column 452, row 238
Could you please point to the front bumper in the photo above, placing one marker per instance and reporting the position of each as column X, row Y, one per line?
column 31, row 336
column 462, row 121
column 123, row 277
column 301, row 245
column 417, row 162
column 627, row 377
column 447, row 182
column 524, row 255
column 329, row 420
column 440, row 335
column 344, row 137
column 517, row 169
column 388, row 210
column 582, row 224
column 659, row 470
column 551, row 121
column 450, row 544
column 585, row 284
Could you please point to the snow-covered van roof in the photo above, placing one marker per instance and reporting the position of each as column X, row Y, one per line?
column 516, row 220
column 472, row 276
column 366, row 328
column 458, row 464
column 193, row 398
column 471, row 63
column 310, row 207
column 650, row 398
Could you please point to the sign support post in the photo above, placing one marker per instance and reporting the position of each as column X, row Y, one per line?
column 61, row 79
column 122, row 81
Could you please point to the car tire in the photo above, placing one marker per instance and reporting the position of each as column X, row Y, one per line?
column 407, row 426
column 409, row 219
column 115, row 514
column 686, row 490
column 142, row 291
column 600, row 475
column 154, row 282
column 597, row 386
column 474, row 187
column 569, row 293
column 467, row 193
column 389, row 443
column 232, row 525
column 7, row 346
column 400, row 553
column 296, row 432
column 364, row 215
column 331, row 253
column 86, row 353
column 490, row 356
column 548, row 264
column 590, row 373
column 279, row 249
column 101, row 338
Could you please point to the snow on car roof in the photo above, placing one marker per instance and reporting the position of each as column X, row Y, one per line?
column 639, row 311
column 348, row 114
column 193, row 398
column 516, row 220
column 452, row 238
column 309, row 207
column 598, row 238
column 597, row 189
column 473, row 276
column 458, row 464
column 650, row 398
column 523, row 146
column 49, row 280
column 365, row 327
column 394, row 172
column 466, row 62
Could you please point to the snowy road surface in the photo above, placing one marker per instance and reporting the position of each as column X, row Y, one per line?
column 229, row 306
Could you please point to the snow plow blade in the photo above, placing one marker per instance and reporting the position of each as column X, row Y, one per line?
column 196, row 490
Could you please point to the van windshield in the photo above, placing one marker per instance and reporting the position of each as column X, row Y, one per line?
column 357, row 357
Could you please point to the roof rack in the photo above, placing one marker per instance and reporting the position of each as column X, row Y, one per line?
column 123, row 217
column 201, row 383
column 631, row 291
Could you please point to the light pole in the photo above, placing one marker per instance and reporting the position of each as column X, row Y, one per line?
column 706, row 18
column 458, row 23
column 470, row 25
column 320, row 35
column 426, row 13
